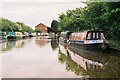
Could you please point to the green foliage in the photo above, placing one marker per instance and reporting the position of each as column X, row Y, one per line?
column 54, row 44
column 96, row 15
column 38, row 30
column 54, row 25
column 23, row 27
column 7, row 26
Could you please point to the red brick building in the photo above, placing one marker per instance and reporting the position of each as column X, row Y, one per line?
column 42, row 27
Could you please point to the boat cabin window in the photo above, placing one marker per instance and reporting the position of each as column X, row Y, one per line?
column 75, row 36
column 95, row 35
column 102, row 36
column 89, row 36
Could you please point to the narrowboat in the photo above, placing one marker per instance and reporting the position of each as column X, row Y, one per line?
column 18, row 35
column 64, row 36
column 14, row 35
column 11, row 35
column 92, row 39
column 2, row 35
column 30, row 34
column 25, row 34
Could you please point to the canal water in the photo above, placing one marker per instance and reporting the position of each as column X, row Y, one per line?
column 46, row 58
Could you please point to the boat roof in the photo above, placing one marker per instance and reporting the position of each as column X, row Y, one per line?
column 88, row 31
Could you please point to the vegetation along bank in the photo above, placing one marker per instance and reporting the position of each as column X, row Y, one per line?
column 96, row 15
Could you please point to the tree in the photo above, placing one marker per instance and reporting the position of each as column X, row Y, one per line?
column 38, row 31
column 96, row 15
column 54, row 25
column 7, row 26
column 23, row 27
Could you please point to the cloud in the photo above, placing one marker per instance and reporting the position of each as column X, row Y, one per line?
column 33, row 13
column 41, row 0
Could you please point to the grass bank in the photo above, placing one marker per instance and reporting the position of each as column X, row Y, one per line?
column 114, row 44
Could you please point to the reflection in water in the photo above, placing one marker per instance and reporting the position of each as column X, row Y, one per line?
column 71, row 65
column 90, row 64
column 8, row 45
column 54, row 44
column 33, row 60
column 41, row 42
column 85, row 63
column 19, row 43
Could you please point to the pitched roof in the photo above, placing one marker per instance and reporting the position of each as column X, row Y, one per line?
column 41, row 24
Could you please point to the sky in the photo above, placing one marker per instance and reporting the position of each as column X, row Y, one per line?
column 33, row 12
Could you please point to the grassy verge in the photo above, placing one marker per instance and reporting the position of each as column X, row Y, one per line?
column 114, row 44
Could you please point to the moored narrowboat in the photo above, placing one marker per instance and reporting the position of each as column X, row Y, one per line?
column 2, row 35
column 14, row 35
column 64, row 36
column 18, row 35
column 11, row 35
column 25, row 34
column 91, row 39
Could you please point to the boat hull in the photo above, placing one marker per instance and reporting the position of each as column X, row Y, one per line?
column 97, row 46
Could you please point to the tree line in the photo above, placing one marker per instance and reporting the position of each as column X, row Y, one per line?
column 96, row 15
column 8, row 26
